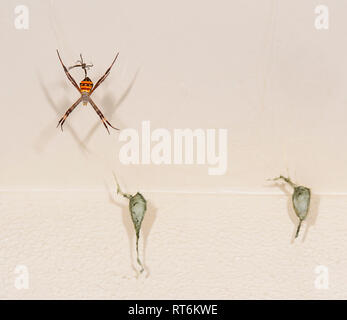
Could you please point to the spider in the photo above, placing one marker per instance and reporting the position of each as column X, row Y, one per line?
column 86, row 89
column 84, row 66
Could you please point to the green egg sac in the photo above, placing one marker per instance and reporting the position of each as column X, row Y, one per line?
column 137, row 208
column 300, row 199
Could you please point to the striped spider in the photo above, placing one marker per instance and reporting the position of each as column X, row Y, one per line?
column 86, row 89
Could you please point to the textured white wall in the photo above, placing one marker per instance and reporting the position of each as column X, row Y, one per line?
column 257, row 68
column 81, row 245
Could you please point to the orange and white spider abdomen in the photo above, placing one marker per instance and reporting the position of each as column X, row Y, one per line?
column 86, row 85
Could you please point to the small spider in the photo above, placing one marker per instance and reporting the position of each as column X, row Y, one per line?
column 86, row 89
column 84, row 66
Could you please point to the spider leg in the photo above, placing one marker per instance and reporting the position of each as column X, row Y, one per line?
column 72, row 80
column 62, row 120
column 105, row 75
column 103, row 119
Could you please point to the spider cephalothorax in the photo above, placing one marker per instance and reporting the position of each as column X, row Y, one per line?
column 86, row 88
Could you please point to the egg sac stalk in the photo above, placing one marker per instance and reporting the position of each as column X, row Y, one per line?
column 298, row 229
column 137, row 251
